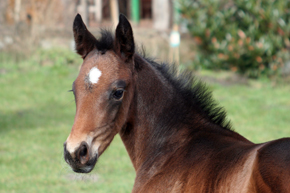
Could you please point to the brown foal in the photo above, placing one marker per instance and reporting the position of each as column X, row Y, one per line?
column 177, row 137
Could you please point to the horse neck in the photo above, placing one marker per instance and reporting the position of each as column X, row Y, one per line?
column 160, row 120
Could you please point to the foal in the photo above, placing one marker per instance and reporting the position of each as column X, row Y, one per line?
column 178, row 139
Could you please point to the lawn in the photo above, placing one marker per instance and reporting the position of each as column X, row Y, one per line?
column 37, row 112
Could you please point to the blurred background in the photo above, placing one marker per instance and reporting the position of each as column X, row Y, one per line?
column 240, row 48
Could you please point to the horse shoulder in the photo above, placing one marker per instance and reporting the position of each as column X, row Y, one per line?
column 272, row 167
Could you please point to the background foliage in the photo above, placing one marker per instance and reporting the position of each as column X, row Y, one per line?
column 248, row 36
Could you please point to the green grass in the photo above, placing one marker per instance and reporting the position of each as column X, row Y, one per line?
column 36, row 115
column 37, row 112
column 258, row 110
column 260, row 114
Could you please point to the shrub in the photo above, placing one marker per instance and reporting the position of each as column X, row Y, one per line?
column 247, row 36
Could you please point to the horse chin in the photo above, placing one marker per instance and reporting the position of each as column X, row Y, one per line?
column 86, row 169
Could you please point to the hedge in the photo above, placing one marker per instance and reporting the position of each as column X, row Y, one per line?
column 247, row 36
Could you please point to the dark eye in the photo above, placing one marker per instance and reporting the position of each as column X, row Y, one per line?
column 118, row 94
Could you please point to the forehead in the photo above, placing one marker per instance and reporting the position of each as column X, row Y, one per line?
column 100, row 68
column 107, row 62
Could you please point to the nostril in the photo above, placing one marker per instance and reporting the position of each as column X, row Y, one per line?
column 66, row 154
column 83, row 151
column 65, row 150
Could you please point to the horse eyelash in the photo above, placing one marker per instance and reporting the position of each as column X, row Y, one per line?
column 70, row 90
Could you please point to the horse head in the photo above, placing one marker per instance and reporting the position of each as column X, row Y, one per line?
column 103, row 91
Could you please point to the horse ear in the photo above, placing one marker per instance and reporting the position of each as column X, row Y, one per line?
column 84, row 40
column 124, row 41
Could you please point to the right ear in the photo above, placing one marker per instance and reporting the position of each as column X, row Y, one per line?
column 85, row 42
column 124, row 41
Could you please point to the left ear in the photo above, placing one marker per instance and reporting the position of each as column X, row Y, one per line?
column 84, row 40
column 124, row 41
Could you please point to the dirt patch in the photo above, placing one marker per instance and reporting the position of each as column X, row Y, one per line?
column 83, row 177
column 224, row 78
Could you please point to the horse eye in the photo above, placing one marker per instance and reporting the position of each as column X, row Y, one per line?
column 118, row 94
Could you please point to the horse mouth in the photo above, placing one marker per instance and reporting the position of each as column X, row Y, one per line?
column 78, row 167
column 83, row 168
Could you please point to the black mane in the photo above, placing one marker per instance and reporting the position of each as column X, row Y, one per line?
column 196, row 92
